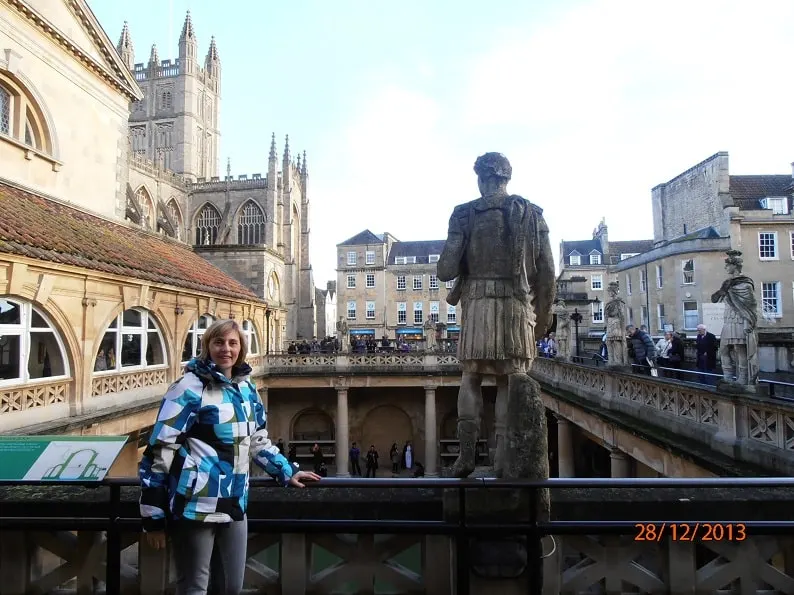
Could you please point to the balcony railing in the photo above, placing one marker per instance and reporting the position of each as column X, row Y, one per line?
column 406, row 536
column 754, row 430
column 372, row 363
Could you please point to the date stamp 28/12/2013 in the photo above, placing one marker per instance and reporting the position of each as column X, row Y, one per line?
column 690, row 531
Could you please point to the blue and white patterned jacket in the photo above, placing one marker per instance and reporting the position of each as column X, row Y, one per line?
column 197, row 462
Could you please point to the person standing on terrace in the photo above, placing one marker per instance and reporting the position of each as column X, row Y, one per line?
column 195, row 470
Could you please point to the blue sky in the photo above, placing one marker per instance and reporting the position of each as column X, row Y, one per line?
column 593, row 101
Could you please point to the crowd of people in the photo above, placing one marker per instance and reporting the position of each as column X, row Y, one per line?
column 666, row 357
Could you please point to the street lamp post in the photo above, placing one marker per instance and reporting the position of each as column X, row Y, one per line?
column 577, row 318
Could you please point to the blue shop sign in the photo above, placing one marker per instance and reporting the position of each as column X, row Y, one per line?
column 362, row 331
column 409, row 331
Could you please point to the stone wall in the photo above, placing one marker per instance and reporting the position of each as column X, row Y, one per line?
column 692, row 200
column 84, row 116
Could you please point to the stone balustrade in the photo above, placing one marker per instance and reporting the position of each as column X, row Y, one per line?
column 729, row 555
column 751, row 429
column 370, row 363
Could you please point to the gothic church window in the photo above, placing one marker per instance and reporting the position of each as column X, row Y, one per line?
column 208, row 224
column 251, row 225
column 30, row 347
column 176, row 217
column 166, row 100
column 147, row 208
column 132, row 341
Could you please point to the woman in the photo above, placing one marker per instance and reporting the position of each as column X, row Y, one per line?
column 194, row 472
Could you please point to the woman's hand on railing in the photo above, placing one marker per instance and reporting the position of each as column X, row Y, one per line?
column 156, row 540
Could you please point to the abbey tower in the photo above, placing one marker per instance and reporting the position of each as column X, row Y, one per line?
column 255, row 228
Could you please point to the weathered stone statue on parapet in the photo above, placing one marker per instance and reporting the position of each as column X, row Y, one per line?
column 430, row 334
column 563, row 330
column 615, row 313
column 739, row 337
column 341, row 334
column 499, row 254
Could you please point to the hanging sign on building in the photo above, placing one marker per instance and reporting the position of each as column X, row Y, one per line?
column 58, row 458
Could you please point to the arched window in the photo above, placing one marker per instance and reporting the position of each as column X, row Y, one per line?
column 208, row 223
column 193, row 341
column 30, row 348
column 20, row 116
column 251, row 225
column 5, row 111
column 273, row 289
column 249, row 330
column 133, row 340
column 148, row 214
column 176, row 217
column 165, row 100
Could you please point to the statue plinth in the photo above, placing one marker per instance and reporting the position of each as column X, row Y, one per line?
column 735, row 388
column 525, row 457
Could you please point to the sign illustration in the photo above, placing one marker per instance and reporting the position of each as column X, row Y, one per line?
column 58, row 458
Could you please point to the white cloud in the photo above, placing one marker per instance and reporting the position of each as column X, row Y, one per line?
column 593, row 109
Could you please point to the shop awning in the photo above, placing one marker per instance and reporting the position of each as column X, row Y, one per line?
column 409, row 331
column 453, row 329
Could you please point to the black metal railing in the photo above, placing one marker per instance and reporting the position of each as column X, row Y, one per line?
column 461, row 529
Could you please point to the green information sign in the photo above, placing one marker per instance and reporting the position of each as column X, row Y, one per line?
column 58, row 458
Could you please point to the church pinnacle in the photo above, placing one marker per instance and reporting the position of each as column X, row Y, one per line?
column 286, row 150
column 212, row 53
column 125, row 48
column 154, row 58
column 304, row 169
column 187, row 28
column 273, row 147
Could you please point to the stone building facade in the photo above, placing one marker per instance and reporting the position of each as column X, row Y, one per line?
column 388, row 287
column 586, row 269
column 98, row 313
column 255, row 228
column 698, row 215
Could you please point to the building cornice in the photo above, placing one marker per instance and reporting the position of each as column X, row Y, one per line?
column 119, row 77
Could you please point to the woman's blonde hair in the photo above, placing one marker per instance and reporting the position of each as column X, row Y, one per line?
column 219, row 328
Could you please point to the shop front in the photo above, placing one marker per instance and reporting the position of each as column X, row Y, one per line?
column 413, row 338
column 360, row 338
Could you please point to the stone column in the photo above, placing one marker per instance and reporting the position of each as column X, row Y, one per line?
column 342, row 433
column 263, row 396
column 565, row 460
column 619, row 463
column 431, row 433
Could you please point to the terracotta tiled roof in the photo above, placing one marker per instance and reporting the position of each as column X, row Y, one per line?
column 41, row 228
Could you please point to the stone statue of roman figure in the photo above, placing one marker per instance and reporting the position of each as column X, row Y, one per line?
column 430, row 334
column 615, row 313
column 498, row 252
column 563, row 330
column 739, row 337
